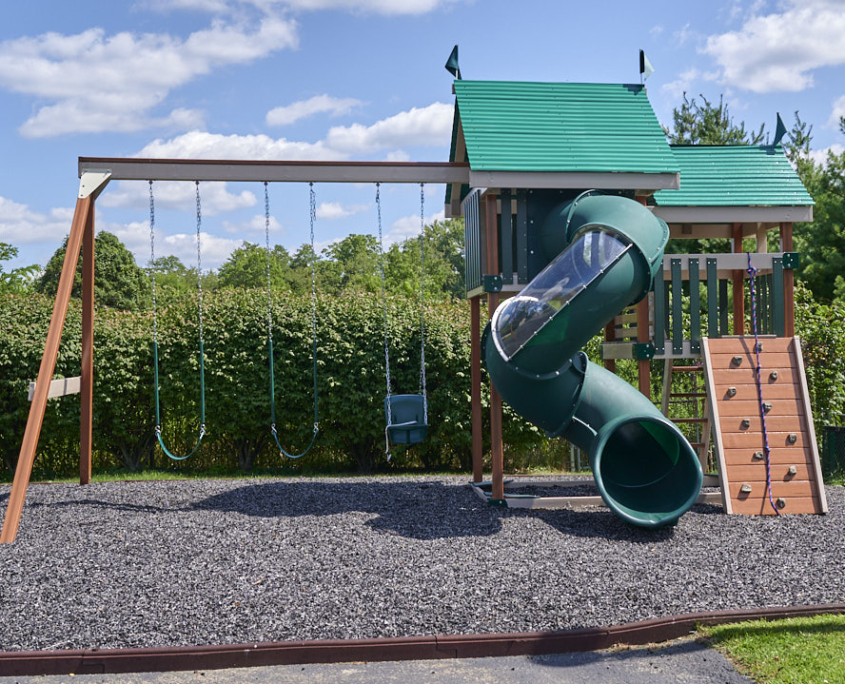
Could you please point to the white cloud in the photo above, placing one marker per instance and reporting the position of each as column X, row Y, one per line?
column 215, row 250
column 215, row 198
column 283, row 116
column 820, row 156
column 682, row 84
column 409, row 227
column 397, row 156
column 331, row 211
column 837, row 113
column 98, row 82
column 255, row 225
column 430, row 125
column 656, row 30
column 20, row 225
column 779, row 51
column 202, row 145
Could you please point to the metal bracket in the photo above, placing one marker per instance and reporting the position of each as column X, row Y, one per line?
column 791, row 259
column 92, row 182
column 491, row 283
column 643, row 351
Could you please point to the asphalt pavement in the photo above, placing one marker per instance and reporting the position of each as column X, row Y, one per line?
column 680, row 662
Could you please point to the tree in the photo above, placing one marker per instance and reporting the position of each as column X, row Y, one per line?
column 16, row 280
column 444, row 262
column 353, row 264
column 247, row 267
column 709, row 124
column 118, row 282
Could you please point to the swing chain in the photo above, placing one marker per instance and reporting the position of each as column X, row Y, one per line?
column 383, row 298
column 422, row 302
column 153, row 259
column 313, row 217
column 199, row 262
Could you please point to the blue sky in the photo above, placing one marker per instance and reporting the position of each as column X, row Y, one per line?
column 347, row 79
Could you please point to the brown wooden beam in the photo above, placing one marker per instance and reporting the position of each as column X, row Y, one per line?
column 643, row 333
column 496, row 447
column 788, row 282
column 86, row 420
column 610, row 336
column 32, row 432
column 475, row 391
column 738, row 284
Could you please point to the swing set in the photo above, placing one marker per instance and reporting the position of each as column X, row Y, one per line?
column 406, row 415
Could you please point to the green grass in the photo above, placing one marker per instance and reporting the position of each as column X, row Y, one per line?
column 793, row 651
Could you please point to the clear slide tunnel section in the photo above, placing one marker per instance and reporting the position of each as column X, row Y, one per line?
column 645, row 469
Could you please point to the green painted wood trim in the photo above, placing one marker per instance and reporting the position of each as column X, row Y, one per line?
column 677, row 307
column 659, row 313
column 694, row 307
column 522, row 236
column 778, row 317
column 712, row 298
column 506, row 237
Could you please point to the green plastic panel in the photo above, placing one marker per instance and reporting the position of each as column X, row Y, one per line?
column 734, row 175
column 677, row 307
column 659, row 313
column 561, row 127
column 694, row 307
column 778, row 318
column 712, row 298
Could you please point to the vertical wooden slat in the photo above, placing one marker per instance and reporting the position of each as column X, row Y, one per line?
column 496, row 447
column 762, row 304
column 86, row 423
column 788, row 283
column 521, row 237
column 694, row 306
column 778, row 295
column 643, row 365
column 506, row 237
column 712, row 298
column 659, row 312
column 610, row 336
column 738, row 285
column 677, row 308
column 14, row 509
column 475, row 390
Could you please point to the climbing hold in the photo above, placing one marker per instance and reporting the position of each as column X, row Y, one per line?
column 746, row 423
column 737, row 360
column 781, row 503
column 745, row 489
column 792, row 470
column 773, row 375
column 731, row 391
column 758, row 455
column 792, row 438
column 767, row 407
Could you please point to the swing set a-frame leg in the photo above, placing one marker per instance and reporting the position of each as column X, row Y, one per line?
column 83, row 222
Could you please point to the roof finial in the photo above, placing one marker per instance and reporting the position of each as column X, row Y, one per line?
column 646, row 69
column 780, row 131
column 452, row 64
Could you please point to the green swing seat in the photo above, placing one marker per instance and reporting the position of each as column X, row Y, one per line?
column 405, row 414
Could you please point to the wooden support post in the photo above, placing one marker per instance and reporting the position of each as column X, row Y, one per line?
column 86, row 414
column 475, row 391
column 788, row 281
column 738, row 284
column 610, row 336
column 32, row 432
column 496, row 447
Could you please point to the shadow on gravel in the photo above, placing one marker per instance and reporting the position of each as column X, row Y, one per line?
column 418, row 510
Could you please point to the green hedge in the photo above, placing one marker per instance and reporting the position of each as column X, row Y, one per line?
column 351, row 383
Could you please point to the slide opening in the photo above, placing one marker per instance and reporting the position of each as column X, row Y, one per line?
column 647, row 471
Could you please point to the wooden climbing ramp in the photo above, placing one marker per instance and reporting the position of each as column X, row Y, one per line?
column 736, row 408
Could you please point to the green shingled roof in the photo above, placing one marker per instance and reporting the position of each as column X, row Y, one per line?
column 561, row 127
column 734, row 175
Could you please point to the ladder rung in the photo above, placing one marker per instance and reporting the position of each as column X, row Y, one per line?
column 688, row 369
column 688, row 394
column 696, row 444
column 689, row 420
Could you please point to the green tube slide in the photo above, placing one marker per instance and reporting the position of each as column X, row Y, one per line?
column 608, row 250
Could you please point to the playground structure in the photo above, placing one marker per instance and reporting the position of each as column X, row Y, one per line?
column 522, row 157
column 534, row 148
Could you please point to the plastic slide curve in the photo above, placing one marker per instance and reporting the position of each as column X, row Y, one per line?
column 604, row 251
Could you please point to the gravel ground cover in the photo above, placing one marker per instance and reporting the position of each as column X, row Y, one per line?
column 122, row 564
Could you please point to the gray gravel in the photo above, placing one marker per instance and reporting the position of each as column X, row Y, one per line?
column 137, row 564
